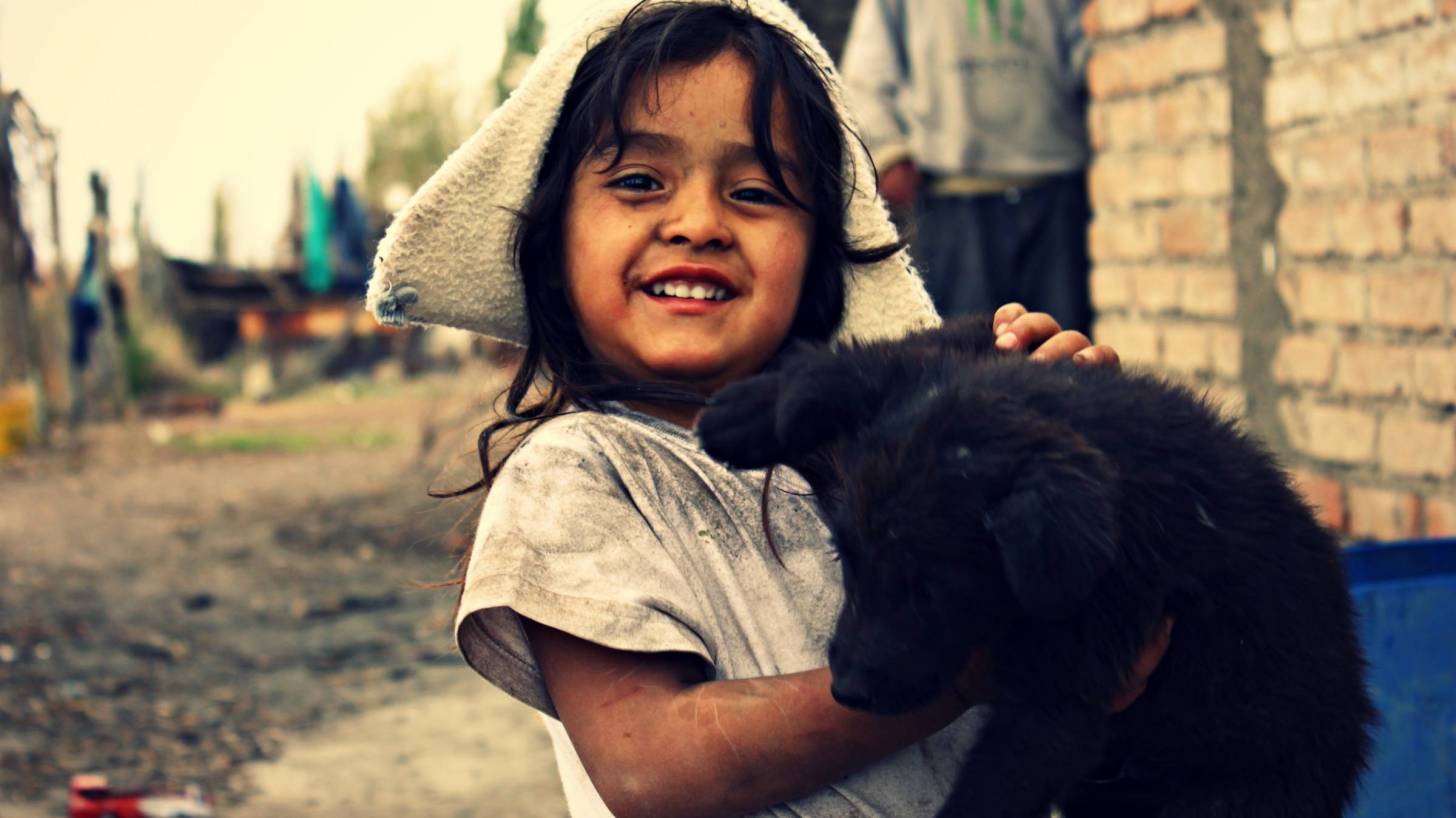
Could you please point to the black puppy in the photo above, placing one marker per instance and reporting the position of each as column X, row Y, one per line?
column 1053, row 515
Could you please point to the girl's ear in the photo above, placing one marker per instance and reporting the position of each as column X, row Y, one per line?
column 1056, row 531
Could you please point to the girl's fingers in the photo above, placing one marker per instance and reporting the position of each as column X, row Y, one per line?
column 1065, row 344
column 1099, row 355
column 1005, row 314
column 1028, row 331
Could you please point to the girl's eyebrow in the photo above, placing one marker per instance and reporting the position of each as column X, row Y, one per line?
column 653, row 142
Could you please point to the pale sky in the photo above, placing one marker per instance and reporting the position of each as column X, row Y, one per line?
column 190, row 94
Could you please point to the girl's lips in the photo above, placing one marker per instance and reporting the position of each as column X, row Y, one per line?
column 709, row 277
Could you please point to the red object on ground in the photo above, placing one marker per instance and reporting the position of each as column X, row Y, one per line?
column 92, row 797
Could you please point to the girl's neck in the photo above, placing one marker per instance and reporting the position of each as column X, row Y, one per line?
column 679, row 414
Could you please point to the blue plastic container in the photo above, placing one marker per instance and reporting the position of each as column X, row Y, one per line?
column 1406, row 597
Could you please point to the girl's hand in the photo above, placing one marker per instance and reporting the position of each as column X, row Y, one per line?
column 1019, row 330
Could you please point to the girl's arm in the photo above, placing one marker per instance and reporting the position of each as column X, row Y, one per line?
column 658, row 741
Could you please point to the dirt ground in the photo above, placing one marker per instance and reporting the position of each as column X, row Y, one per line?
column 234, row 601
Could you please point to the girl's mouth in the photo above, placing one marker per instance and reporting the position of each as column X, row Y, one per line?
column 688, row 290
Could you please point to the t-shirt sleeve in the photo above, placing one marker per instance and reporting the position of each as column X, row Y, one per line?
column 564, row 541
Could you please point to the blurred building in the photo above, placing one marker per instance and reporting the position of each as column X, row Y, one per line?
column 1275, row 197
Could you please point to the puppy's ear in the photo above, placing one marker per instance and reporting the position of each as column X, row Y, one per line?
column 1056, row 531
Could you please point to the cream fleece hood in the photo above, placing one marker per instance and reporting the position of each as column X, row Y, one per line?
column 447, row 257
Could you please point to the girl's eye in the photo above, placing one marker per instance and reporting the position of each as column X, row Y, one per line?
column 758, row 195
column 637, row 182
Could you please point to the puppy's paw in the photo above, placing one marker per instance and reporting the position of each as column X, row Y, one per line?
column 738, row 426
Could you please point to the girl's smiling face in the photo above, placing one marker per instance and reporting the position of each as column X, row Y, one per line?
column 682, row 260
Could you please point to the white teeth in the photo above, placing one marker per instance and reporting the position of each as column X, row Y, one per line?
column 682, row 289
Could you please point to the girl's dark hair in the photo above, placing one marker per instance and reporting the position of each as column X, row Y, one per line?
column 619, row 71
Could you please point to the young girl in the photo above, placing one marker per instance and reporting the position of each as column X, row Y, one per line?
column 669, row 198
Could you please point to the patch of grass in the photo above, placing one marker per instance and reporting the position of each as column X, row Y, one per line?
column 283, row 441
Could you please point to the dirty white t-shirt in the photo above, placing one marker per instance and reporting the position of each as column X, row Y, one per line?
column 617, row 528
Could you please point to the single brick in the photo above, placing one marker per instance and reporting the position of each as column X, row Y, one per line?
column 1373, row 77
column 1376, row 16
column 1295, row 94
column 1305, row 360
column 1413, row 445
column 1331, row 162
column 1157, row 289
column 1168, row 9
column 1120, row 68
column 1435, row 375
column 1109, row 181
column 1433, row 225
column 1205, row 171
column 1111, row 287
column 1440, row 511
column 1196, row 49
column 1135, row 341
column 1193, row 232
column 1127, row 236
column 1324, row 494
column 1408, row 300
column 1329, row 296
column 1368, row 369
column 1212, row 292
column 1091, row 19
column 1187, row 348
column 1366, row 229
column 1123, row 15
column 1336, row 433
column 1401, row 156
column 1130, row 121
column 1226, row 350
column 1099, row 133
column 1383, row 514
column 1197, row 108
column 1106, row 72
column 1436, row 58
column 1153, row 177
column 1306, row 229
column 1318, row 23
column 1276, row 37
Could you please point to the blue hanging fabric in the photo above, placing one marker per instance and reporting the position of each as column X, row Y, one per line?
column 351, row 235
column 318, row 268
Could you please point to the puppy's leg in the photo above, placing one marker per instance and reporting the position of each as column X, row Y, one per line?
column 1028, row 755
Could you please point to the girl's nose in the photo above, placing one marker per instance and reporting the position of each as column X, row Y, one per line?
column 696, row 217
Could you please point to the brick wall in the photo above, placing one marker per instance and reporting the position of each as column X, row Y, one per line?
column 1275, row 192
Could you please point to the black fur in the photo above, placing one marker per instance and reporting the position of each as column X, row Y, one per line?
column 1052, row 515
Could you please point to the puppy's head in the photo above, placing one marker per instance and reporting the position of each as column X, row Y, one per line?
column 950, row 525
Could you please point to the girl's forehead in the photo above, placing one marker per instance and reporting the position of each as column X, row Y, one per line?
column 708, row 101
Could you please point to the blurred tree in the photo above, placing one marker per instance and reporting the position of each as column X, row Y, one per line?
column 522, row 42
column 412, row 135
column 221, row 228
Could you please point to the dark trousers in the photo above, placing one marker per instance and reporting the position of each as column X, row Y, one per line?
column 1024, row 244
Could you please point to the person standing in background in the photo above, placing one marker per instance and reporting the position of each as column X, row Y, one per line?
column 975, row 114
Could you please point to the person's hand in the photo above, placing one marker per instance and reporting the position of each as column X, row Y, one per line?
column 900, row 183
column 1146, row 663
column 1018, row 331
